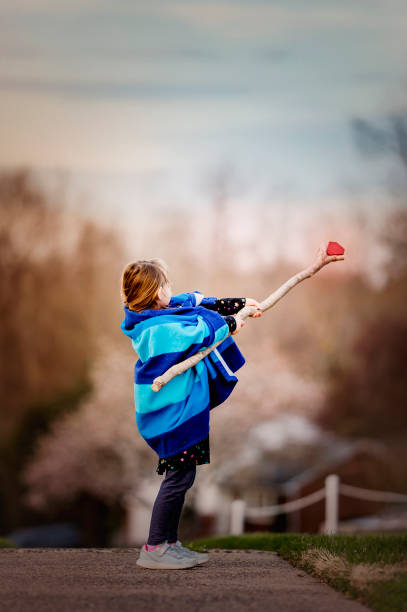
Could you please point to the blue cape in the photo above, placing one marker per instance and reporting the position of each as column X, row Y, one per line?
column 177, row 416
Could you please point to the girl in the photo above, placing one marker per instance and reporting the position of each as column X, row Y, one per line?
column 165, row 330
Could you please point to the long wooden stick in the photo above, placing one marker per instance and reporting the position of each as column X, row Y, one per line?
column 321, row 260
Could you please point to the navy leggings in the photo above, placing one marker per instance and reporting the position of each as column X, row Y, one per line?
column 168, row 505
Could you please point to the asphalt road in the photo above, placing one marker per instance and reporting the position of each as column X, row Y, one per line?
column 72, row 580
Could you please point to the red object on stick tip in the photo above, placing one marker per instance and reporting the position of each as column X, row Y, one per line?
column 334, row 248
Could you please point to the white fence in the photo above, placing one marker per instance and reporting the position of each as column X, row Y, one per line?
column 331, row 492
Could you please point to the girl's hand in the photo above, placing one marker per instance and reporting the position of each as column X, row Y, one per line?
column 239, row 324
column 252, row 302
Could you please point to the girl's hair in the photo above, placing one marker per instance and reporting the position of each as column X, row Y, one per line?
column 140, row 282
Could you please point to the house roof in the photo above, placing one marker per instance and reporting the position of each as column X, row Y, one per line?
column 288, row 452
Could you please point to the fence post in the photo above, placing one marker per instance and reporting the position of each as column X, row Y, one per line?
column 237, row 514
column 331, row 504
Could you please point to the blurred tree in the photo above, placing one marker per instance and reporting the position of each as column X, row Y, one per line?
column 222, row 185
column 58, row 295
column 389, row 138
column 377, row 140
column 369, row 396
column 96, row 450
column 367, row 393
column 394, row 236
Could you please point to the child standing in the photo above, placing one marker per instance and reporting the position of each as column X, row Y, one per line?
column 165, row 330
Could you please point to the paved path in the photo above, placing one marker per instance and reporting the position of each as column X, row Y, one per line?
column 62, row 580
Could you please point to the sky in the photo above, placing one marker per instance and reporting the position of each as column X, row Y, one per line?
column 140, row 102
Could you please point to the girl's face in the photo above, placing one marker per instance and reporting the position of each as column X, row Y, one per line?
column 163, row 296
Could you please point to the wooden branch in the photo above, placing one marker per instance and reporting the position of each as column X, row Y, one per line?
column 321, row 260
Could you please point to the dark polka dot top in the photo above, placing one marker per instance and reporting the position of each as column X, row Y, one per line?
column 199, row 453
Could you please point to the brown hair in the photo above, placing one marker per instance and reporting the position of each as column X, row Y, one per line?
column 140, row 282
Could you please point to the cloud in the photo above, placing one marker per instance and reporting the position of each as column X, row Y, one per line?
column 114, row 89
column 189, row 79
column 20, row 6
column 246, row 19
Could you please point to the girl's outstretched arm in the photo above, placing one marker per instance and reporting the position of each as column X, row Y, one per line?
column 323, row 258
column 230, row 306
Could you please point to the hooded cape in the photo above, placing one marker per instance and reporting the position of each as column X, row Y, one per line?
column 177, row 416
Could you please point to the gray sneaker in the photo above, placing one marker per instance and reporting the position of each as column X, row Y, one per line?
column 164, row 557
column 190, row 554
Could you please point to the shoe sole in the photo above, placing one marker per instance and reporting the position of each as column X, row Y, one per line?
column 203, row 561
column 152, row 565
column 200, row 560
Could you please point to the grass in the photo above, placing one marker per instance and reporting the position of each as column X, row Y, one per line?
column 4, row 543
column 371, row 568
